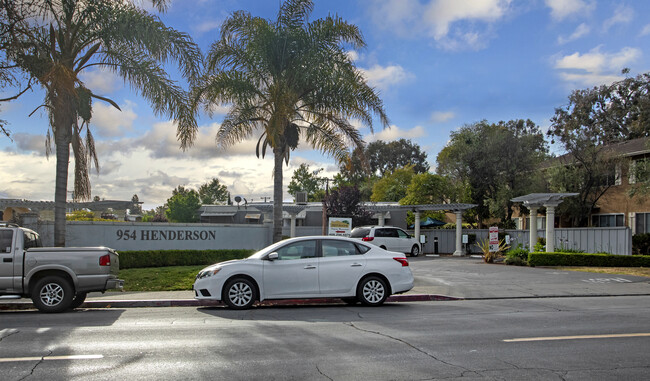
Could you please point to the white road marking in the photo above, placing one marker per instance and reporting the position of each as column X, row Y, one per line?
column 51, row 358
column 580, row 337
column 607, row 280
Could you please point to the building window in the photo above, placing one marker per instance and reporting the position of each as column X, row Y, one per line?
column 541, row 222
column 642, row 223
column 639, row 171
column 607, row 220
column 611, row 177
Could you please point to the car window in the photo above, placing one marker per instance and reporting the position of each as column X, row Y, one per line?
column 362, row 248
column 32, row 240
column 359, row 232
column 389, row 233
column 333, row 248
column 402, row 233
column 297, row 250
column 5, row 240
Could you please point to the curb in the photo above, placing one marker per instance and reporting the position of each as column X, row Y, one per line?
column 26, row 305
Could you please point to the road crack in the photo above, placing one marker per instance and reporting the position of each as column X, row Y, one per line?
column 323, row 374
column 36, row 365
column 11, row 333
column 464, row 370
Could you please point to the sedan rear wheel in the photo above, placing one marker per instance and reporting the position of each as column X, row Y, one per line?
column 239, row 293
column 372, row 291
column 415, row 251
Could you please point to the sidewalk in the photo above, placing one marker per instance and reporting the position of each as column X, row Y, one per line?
column 436, row 278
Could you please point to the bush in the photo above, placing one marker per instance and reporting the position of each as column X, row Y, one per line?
column 517, row 257
column 641, row 244
column 164, row 258
column 582, row 259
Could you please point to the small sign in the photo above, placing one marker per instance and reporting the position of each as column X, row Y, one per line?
column 465, row 238
column 340, row 226
column 494, row 239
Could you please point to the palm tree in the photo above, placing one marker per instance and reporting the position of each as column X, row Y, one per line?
column 287, row 79
column 63, row 38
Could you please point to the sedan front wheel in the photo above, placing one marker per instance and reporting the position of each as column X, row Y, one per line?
column 372, row 291
column 239, row 293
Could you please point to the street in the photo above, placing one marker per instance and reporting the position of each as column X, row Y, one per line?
column 540, row 338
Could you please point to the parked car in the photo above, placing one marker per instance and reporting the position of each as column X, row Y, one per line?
column 55, row 278
column 308, row 267
column 388, row 238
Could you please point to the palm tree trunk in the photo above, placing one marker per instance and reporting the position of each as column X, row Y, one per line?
column 63, row 118
column 277, row 194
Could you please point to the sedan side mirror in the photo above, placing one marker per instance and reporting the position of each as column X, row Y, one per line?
column 273, row 256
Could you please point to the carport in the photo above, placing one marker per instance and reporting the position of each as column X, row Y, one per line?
column 550, row 201
column 458, row 209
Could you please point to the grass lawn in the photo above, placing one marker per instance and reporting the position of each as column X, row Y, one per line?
column 636, row 271
column 173, row 278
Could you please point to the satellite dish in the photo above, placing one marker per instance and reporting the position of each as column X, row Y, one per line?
column 239, row 199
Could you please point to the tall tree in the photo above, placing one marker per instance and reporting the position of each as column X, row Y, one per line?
column 304, row 180
column 346, row 202
column 286, row 79
column 213, row 192
column 588, row 128
column 496, row 162
column 183, row 206
column 64, row 38
column 386, row 157
column 392, row 187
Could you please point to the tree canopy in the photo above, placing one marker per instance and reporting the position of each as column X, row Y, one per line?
column 183, row 206
column 213, row 192
column 496, row 161
column 304, row 180
column 286, row 80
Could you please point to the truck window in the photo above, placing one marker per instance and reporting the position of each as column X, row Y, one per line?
column 32, row 240
column 6, row 238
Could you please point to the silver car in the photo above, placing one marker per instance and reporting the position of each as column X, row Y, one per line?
column 388, row 238
column 308, row 267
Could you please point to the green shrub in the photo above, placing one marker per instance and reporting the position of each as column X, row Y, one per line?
column 541, row 244
column 517, row 257
column 515, row 261
column 641, row 244
column 164, row 258
column 582, row 259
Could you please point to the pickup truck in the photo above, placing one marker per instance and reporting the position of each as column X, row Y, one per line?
column 55, row 278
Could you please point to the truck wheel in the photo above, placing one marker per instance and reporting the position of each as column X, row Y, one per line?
column 52, row 294
column 78, row 300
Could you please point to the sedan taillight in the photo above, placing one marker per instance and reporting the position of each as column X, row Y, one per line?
column 402, row 260
column 105, row 260
column 367, row 239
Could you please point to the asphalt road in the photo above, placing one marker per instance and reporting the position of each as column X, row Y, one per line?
column 511, row 339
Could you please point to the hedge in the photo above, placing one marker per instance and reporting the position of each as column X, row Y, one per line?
column 163, row 258
column 586, row 259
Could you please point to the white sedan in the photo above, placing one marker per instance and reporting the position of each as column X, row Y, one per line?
column 308, row 267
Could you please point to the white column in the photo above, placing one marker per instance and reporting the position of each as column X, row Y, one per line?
column 459, row 234
column 293, row 225
column 417, row 225
column 533, row 228
column 382, row 219
column 550, row 228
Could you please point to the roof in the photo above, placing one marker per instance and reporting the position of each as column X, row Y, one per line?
column 628, row 148
column 539, row 199
column 45, row 205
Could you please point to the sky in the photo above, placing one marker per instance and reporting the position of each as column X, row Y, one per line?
column 437, row 64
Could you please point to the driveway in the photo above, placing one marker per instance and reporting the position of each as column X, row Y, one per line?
column 471, row 278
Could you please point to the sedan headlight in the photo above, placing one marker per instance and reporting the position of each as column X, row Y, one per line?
column 208, row 273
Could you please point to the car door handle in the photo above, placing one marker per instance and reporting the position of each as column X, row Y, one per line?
column 7, row 260
column 356, row 265
column 310, row 267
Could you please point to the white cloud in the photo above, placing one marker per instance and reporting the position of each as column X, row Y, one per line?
column 441, row 14
column 581, row 31
column 442, row 116
column 595, row 68
column 111, row 122
column 395, row 133
column 352, row 55
column 453, row 24
column 382, row 77
column 29, row 142
column 101, row 82
column 622, row 15
column 646, row 30
column 561, row 9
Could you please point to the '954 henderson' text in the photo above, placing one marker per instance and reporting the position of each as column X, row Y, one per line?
column 166, row 235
